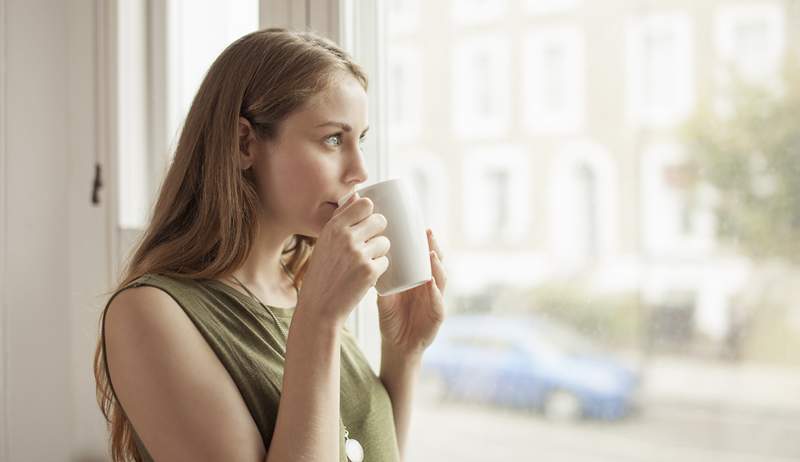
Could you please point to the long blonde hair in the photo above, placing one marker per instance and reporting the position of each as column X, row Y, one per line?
column 204, row 221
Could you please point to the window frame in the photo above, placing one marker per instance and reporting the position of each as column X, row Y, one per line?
column 360, row 28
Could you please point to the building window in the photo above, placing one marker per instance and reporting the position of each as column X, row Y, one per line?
column 404, row 94
column 660, row 69
column 583, row 200
column 481, row 83
column 674, row 220
column 496, row 197
column 554, row 80
column 750, row 40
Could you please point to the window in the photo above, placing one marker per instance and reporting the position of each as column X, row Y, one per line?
column 554, row 80
column 578, row 201
column 165, row 49
column 750, row 39
column 428, row 173
column 198, row 31
column 660, row 66
column 495, row 198
column 675, row 221
column 480, row 83
column 404, row 69
column 583, row 197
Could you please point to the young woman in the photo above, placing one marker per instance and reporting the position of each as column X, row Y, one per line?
column 226, row 337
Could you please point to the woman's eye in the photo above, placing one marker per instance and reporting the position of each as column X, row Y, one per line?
column 334, row 140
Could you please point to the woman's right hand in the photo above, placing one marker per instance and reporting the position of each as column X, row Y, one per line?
column 348, row 257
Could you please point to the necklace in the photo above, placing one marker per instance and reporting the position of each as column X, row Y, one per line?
column 353, row 449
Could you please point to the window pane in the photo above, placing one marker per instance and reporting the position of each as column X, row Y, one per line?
column 198, row 32
column 622, row 256
column 185, row 44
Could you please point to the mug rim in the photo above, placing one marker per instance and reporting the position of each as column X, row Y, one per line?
column 367, row 188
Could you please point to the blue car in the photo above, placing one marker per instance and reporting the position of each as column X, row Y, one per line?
column 530, row 363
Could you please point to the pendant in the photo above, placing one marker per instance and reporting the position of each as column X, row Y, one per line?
column 353, row 449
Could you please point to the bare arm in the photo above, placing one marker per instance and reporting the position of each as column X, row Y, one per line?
column 185, row 406
column 399, row 375
column 307, row 427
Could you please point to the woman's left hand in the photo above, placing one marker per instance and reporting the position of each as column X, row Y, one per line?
column 409, row 320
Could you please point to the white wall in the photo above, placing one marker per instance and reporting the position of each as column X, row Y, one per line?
column 54, row 245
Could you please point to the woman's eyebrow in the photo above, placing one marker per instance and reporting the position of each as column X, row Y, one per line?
column 342, row 125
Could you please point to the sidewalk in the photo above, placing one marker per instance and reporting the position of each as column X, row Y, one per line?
column 708, row 383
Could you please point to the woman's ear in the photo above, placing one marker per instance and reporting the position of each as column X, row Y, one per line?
column 246, row 139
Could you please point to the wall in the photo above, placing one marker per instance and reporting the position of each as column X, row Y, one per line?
column 54, row 248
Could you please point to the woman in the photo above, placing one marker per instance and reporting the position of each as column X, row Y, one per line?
column 226, row 338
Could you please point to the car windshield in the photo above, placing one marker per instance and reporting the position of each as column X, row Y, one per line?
column 558, row 338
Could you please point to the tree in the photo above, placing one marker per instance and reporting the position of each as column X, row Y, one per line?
column 751, row 158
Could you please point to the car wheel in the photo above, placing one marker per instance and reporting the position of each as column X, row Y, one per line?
column 562, row 406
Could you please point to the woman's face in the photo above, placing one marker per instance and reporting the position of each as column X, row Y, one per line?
column 315, row 159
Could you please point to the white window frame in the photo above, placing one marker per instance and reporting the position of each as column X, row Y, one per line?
column 359, row 27
column 150, row 109
column 639, row 112
column 539, row 119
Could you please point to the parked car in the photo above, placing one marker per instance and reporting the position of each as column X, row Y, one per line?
column 531, row 363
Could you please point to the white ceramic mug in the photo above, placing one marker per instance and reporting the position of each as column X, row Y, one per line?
column 409, row 261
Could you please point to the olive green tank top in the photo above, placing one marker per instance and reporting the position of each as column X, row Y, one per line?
column 248, row 343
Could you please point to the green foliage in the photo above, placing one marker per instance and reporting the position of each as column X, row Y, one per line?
column 612, row 319
column 752, row 160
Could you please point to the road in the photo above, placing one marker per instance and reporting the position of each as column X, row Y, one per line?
column 734, row 425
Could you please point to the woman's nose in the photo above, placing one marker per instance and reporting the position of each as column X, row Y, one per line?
column 357, row 168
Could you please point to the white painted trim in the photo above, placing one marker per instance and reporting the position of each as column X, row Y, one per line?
column 106, row 120
column 4, row 439
column 160, row 50
column 362, row 28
